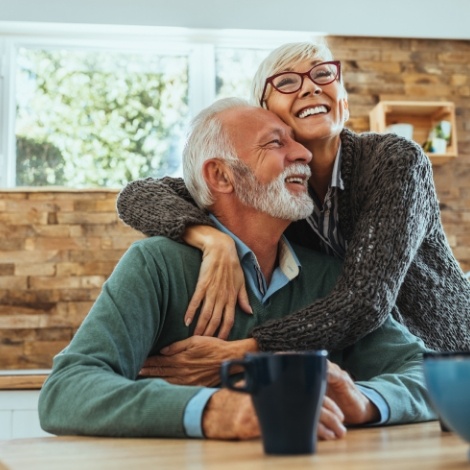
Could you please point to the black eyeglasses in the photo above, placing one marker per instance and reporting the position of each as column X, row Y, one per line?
column 323, row 73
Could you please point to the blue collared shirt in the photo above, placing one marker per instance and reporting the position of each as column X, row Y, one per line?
column 288, row 268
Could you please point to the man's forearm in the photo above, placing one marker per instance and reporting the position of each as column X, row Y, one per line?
column 241, row 347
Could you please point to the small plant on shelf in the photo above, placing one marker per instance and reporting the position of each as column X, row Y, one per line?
column 439, row 138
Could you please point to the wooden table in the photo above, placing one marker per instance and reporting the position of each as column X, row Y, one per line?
column 415, row 446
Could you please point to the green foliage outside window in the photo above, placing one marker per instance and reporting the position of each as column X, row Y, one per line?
column 235, row 71
column 94, row 118
column 38, row 163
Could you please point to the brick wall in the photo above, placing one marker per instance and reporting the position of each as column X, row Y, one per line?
column 57, row 248
column 379, row 69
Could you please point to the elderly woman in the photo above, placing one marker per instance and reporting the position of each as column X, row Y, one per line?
column 375, row 208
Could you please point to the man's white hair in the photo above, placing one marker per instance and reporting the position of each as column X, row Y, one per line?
column 207, row 139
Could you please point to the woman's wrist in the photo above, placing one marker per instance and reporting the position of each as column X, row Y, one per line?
column 205, row 236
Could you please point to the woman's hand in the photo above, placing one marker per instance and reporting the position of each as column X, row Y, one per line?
column 196, row 360
column 220, row 285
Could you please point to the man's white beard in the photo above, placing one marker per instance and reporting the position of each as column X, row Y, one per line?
column 272, row 198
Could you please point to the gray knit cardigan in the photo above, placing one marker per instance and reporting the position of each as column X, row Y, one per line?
column 397, row 260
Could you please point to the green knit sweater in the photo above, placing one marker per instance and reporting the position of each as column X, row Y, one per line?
column 93, row 388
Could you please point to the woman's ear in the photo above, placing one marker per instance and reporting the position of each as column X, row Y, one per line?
column 217, row 175
column 345, row 110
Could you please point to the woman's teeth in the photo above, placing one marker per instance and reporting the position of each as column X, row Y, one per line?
column 312, row 111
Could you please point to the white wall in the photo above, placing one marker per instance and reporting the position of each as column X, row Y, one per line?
column 385, row 18
column 19, row 414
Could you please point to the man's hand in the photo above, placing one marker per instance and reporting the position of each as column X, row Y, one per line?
column 355, row 406
column 196, row 360
column 230, row 415
column 331, row 424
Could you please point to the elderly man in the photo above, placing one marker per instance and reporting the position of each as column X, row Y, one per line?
column 243, row 164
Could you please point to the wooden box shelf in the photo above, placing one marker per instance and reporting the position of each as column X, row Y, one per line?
column 423, row 116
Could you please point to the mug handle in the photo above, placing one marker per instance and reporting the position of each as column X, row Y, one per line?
column 229, row 381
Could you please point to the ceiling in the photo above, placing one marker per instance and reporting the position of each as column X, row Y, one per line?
column 437, row 19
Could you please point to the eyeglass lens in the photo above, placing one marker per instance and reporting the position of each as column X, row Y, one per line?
column 290, row 82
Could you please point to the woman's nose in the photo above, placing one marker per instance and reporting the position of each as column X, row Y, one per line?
column 310, row 87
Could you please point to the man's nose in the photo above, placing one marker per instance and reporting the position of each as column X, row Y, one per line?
column 298, row 153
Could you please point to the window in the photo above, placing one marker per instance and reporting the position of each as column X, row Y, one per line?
column 97, row 118
column 235, row 68
column 98, row 108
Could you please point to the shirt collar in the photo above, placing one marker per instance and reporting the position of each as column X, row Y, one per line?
column 289, row 264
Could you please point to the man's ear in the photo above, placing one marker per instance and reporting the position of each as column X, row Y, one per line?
column 217, row 175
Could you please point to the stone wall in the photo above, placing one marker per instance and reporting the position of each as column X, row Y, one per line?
column 58, row 247
column 56, row 250
column 380, row 69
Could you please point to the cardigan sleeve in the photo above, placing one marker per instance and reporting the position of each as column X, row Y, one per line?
column 397, row 206
column 160, row 207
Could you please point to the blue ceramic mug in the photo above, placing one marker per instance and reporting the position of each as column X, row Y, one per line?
column 448, row 382
column 287, row 390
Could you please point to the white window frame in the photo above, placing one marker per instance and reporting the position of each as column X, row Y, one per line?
column 199, row 45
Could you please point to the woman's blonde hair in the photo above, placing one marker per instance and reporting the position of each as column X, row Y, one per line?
column 283, row 58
